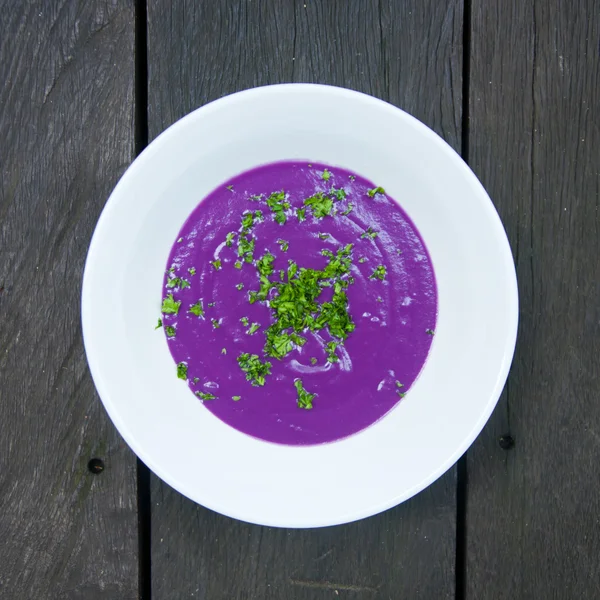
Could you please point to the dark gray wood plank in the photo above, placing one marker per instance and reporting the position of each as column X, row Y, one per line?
column 66, row 103
column 532, row 511
column 410, row 54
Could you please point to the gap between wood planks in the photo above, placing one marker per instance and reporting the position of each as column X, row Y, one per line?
column 141, row 141
column 460, row 567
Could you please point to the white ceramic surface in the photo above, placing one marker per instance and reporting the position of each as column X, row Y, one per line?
column 173, row 433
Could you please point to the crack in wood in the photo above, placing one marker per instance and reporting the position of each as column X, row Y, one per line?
column 327, row 585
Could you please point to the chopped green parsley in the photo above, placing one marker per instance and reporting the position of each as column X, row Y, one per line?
column 197, row 309
column 240, row 286
column 216, row 264
column 430, row 332
column 170, row 306
column 192, row 271
column 170, row 331
column 178, row 282
column 205, row 396
column 229, row 239
column 283, row 245
column 338, row 194
column 320, row 205
column 215, row 323
column 301, row 214
column 326, row 175
column 245, row 321
column 378, row 273
column 236, row 398
column 369, row 233
column 377, row 190
column 278, row 205
column 223, row 350
column 331, row 355
column 253, row 328
column 230, row 188
column 304, row 398
column 255, row 370
column 159, row 324
column 182, row 371
column 348, row 210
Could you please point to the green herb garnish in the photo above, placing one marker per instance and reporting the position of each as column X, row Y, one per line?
column 180, row 240
column 278, row 205
column 197, row 309
column 159, row 324
column 330, row 348
column 430, row 332
column 240, row 286
column 325, row 175
column 339, row 193
column 211, row 304
column 348, row 210
column 205, row 396
column 245, row 321
column 170, row 331
column 182, row 371
column 324, row 236
column 320, row 205
column 304, row 398
column 215, row 323
column 369, row 233
column 283, row 245
column 313, row 361
column 216, row 264
column 178, row 282
column 301, row 214
column 192, row 271
column 264, row 265
column 246, row 249
column 255, row 370
column 236, row 398
column 170, row 306
column 377, row 190
column 351, row 177
column 229, row 239
column 230, row 188
column 378, row 273
column 253, row 328
column 363, row 259
column 223, row 350
column 237, row 264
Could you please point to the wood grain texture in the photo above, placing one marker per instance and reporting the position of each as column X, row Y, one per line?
column 533, row 529
column 408, row 53
column 66, row 105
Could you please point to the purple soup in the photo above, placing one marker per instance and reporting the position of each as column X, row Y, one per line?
column 299, row 303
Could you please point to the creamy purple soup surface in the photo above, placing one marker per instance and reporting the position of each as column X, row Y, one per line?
column 394, row 318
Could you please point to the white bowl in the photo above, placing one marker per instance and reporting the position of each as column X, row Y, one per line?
column 174, row 434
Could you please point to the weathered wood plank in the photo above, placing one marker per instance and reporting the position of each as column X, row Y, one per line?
column 532, row 511
column 407, row 53
column 66, row 103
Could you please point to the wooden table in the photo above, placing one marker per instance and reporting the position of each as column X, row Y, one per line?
column 514, row 86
